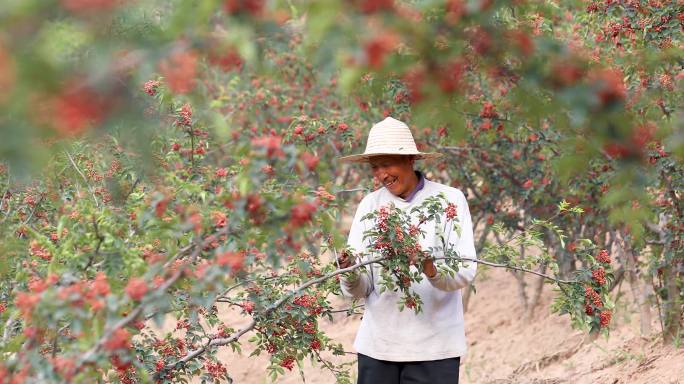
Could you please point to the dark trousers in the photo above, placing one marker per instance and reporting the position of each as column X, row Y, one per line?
column 372, row 371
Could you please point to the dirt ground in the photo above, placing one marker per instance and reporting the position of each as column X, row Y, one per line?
column 505, row 349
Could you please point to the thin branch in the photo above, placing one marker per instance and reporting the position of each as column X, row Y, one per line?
column 35, row 207
column 131, row 190
column 664, row 110
column 483, row 238
column 8, row 326
column 499, row 168
column 9, row 209
column 222, row 296
column 85, row 180
column 654, row 228
column 327, row 364
column 100, row 239
column 212, row 343
column 350, row 309
column 676, row 201
column 477, row 116
column 351, row 190
column 507, row 266
column 54, row 341
column 2, row 198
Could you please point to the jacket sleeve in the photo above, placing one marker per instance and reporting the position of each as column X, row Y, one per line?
column 464, row 246
column 360, row 285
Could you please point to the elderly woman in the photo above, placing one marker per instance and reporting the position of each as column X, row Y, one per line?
column 401, row 346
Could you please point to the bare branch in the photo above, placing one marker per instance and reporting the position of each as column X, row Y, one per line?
column 85, row 180
column 507, row 266
column 35, row 207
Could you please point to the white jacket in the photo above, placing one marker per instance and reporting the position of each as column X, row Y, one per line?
column 438, row 331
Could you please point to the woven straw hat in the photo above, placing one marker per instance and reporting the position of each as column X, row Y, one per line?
column 389, row 137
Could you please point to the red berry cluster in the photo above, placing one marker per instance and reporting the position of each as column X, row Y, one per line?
column 167, row 348
column 159, row 365
column 301, row 214
column 380, row 245
column 223, row 332
column 399, row 233
column 591, row 300
column 179, row 70
column 451, row 211
column 124, row 369
column 185, row 116
column 120, row 339
column 604, row 318
column 309, row 328
column 603, row 257
column 248, row 306
column 150, row 87
column 216, row 370
column 410, row 303
column 599, row 276
column 593, row 304
column 183, row 324
column 413, row 230
column 306, row 301
column 310, row 302
column 488, row 111
column 136, row 288
column 271, row 348
column 324, row 197
column 37, row 250
column 252, row 7
column 287, row 363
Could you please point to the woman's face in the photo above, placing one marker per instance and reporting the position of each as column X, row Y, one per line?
column 396, row 173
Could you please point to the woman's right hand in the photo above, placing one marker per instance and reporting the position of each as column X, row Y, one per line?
column 345, row 259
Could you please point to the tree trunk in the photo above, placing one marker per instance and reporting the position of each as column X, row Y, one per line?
column 466, row 294
column 672, row 306
column 641, row 292
column 566, row 262
column 671, row 284
column 538, row 288
column 522, row 295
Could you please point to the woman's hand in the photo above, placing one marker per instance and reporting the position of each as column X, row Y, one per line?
column 345, row 259
column 426, row 261
column 429, row 268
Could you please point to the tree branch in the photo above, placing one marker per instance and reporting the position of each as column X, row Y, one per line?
column 100, row 239
column 85, row 180
column 216, row 342
column 35, row 208
column 507, row 266
column 676, row 201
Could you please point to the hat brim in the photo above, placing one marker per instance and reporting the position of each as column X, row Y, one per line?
column 365, row 157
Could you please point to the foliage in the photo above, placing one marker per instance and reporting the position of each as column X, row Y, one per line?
column 172, row 160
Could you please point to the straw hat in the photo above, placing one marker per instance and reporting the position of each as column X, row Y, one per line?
column 389, row 137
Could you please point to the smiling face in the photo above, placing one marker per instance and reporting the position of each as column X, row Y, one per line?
column 396, row 173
